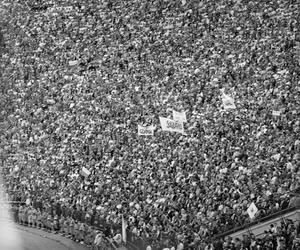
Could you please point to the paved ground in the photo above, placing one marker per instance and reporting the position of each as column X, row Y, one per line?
column 16, row 237
column 35, row 239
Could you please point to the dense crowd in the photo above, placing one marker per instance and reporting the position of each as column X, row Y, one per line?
column 79, row 231
column 283, row 236
column 78, row 77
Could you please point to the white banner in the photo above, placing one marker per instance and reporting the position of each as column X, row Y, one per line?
column 73, row 63
column 228, row 102
column 85, row 172
column 124, row 227
column 179, row 116
column 276, row 113
column 252, row 210
column 145, row 130
column 171, row 125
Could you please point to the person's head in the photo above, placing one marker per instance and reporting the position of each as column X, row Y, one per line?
column 281, row 240
column 237, row 242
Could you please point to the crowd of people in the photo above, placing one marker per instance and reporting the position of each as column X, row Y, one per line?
column 78, row 231
column 283, row 236
column 77, row 78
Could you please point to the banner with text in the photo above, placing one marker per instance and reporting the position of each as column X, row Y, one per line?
column 145, row 130
column 171, row 125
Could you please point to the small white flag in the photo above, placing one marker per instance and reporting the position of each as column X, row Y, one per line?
column 252, row 210
column 28, row 201
column 276, row 157
column 171, row 125
column 85, row 172
column 179, row 116
column 145, row 130
column 228, row 102
column 124, row 227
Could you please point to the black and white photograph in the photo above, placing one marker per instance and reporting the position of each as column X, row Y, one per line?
column 149, row 124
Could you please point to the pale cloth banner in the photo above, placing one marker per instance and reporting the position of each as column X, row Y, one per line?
column 85, row 172
column 276, row 113
column 179, row 116
column 252, row 210
column 124, row 227
column 171, row 125
column 73, row 63
column 145, row 130
column 228, row 102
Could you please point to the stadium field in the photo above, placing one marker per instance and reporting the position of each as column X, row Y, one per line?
column 34, row 239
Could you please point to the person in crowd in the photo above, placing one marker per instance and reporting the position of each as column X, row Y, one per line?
column 99, row 241
column 39, row 218
column 61, row 222
column 82, row 232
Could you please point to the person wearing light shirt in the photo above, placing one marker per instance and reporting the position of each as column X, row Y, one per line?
column 180, row 246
